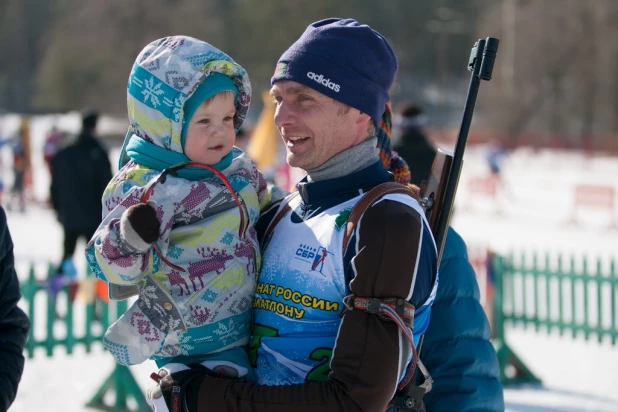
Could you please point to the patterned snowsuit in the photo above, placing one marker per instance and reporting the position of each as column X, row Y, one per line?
column 204, row 312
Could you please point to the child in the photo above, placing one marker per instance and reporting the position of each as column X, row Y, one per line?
column 192, row 249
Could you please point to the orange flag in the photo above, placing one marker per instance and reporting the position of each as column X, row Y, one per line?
column 263, row 145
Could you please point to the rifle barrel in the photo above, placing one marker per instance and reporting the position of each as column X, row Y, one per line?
column 481, row 63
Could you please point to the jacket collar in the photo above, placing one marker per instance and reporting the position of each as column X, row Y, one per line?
column 325, row 193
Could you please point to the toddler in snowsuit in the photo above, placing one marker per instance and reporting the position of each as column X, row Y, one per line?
column 191, row 250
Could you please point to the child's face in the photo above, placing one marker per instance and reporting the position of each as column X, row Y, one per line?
column 211, row 134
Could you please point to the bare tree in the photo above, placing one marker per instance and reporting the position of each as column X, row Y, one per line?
column 561, row 80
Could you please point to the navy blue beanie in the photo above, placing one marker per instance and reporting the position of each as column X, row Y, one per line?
column 345, row 60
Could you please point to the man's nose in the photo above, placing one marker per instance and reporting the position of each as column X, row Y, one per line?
column 284, row 115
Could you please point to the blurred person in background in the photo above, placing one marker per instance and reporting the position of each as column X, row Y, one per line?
column 51, row 146
column 14, row 323
column 496, row 155
column 410, row 141
column 21, row 165
column 80, row 173
column 3, row 141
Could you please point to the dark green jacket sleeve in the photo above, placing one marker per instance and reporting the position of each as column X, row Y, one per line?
column 14, row 323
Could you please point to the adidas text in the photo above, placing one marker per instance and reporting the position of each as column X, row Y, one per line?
column 326, row 82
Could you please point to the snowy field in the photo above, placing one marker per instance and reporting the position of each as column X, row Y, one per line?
column 532, row 210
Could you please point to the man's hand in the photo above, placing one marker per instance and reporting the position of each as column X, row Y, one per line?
column 173, row 388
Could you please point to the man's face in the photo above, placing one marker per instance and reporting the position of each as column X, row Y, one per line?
column 211, row 134
column 313, row 126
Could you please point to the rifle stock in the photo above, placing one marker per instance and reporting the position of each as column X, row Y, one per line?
column 432, row 193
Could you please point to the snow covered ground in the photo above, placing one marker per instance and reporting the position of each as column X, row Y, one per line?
column 533, row 211
column 530, row 212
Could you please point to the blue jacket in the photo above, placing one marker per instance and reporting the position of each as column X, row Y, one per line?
column 456, row 350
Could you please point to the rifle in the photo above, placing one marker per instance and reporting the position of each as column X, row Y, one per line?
column 438, row 196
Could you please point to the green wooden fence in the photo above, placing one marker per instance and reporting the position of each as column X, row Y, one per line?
column 574, row 298
column 84, row 325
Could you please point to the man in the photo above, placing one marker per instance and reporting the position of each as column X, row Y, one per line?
column 410, row 141
column 14, row 323
column 80, row 173
column 331, row 90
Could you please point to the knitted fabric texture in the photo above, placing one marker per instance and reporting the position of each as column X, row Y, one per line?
column 390, row 159
column 345, row 60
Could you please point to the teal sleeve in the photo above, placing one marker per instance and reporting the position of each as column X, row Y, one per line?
column 457, row 351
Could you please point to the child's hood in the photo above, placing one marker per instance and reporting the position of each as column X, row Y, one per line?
column 164, row 76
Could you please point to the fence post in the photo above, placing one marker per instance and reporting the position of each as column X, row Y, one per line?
column 70, row 339
column 512, row 369
column 121, row 381
column 612, row 275
column 497, row 269
column 28, row 291
column 50, row 339
column 88, row 339
column 600, row 300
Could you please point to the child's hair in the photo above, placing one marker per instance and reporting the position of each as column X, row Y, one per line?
column 226, row 93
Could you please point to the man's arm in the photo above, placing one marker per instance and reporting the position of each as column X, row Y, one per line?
column 457, row 351
column 14, row 323
column 394, row 257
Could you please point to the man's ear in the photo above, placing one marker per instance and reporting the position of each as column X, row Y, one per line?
column 362, row 126
column 363, row 119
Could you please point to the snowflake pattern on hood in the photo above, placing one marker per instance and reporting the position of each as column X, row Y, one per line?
column 164, row 75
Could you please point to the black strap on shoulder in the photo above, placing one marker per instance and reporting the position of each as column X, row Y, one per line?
column 284, row 208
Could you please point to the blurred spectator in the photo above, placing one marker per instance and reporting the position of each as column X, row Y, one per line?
column 410, row 141
column 80, row 173
column 14, row 323
column 3, row 141
column 51, row 146
column 21, row 165
column 496, row 153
